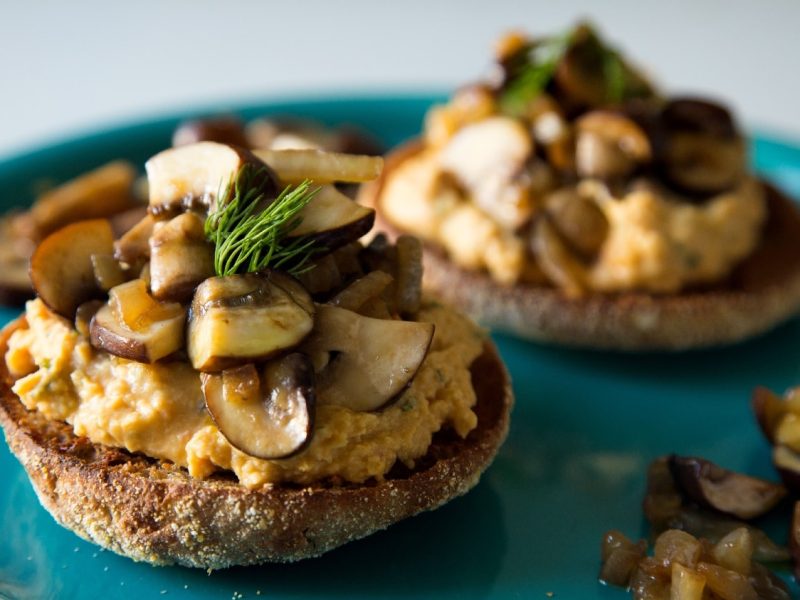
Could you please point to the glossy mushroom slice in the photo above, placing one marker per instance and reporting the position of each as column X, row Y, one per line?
column 769, row 409
column 333, row 220
column 243, row 318
column 192, row 176
column 609, row 145
column 15, row 253
column 61, row 267
column 268, row 415
column 180, row 257
column 728, row 492
column 369, row 361
column 135, row 326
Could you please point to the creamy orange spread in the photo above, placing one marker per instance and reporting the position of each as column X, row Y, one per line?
column 159, row 410
column 656, row 242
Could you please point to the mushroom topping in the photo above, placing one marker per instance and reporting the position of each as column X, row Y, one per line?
column 224, row 130
column 703, row 153
column 609, row 145
column 769, row 410
column 332, row 220
column 100, row 193
column 295, row 166
column 487, row 158
column 268, row 416
column 787, row 463
column 187, row 176
column 556, row 260
column 180, row 257
column 578, row 219
column 369, row 361
column 362, row 290
column 794, row 539
column 61, row 267
column 245, row 318
column 107, row 271
column 15, row 253
column 728, row 492
column 134, row 245
column 135, row 326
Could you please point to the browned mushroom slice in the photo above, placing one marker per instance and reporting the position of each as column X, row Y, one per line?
column 408, row 291
column 107, row 271
column 579, row 220
column 794, row 539
column 180, row 257
column 135, row 326
column 100, row 193
column 362, row 290
column 195, row 174
column 370, row 360
column 787, row 463
column 15, row 252
column 122, row 223
column 769, row 409
column 61, row 267
column 84, row 315
column 134, row 245
column 267, row 416
column 609, row 145
column 703, row 153
column 729, row 492
column 224, row 130
column 244, row 318
column 333, row 220
column 560, row 265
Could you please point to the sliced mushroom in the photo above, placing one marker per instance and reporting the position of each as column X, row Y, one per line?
column 794, row 540
column 223, row 130
column 15, row 253
column 703, row 153
column 84, row 315
column 362, row 290
column 267, row 416
column 769, row 409
column 134, row 245
column 295, row 166
column 560, row 265
column 787, row 463
column 135, row 326
column 245, row 318
column 728, row 492
column 408, row 290
column 579, row 220
column 487, row 158
column 180, row 257
column 333, row 220
column 193, row 175
column 122, row 223
column 100, row 193
column 370, row 360
column 609, row 145
column 61, row 267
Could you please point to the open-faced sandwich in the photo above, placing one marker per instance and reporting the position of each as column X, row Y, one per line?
column 237, row 379
column 567, row 200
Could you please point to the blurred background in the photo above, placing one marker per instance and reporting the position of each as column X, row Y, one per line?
column 69, row 66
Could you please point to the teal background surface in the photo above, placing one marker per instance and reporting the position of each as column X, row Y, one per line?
column 585, row 426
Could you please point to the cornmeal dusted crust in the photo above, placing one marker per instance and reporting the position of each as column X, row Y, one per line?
column 155, row 512
column 761, row 293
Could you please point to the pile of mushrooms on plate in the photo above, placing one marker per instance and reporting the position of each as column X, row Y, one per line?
column 267, row 345
column 558, row 112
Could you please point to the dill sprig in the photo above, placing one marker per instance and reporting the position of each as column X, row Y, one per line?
column 249, row 235
column 532, row 77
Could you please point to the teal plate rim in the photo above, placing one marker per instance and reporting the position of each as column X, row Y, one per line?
column 584, row 428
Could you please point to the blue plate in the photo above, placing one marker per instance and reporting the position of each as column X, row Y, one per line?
column 584, row 429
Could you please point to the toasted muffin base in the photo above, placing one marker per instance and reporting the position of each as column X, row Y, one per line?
column 154, row 511
column 762, row 292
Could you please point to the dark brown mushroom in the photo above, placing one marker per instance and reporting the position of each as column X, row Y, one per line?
column 723, row 490
column 268, row 416
column 703, row 153
column 223, row 130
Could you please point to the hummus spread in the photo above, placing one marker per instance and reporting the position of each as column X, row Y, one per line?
column 158, row 409
column 656, row 242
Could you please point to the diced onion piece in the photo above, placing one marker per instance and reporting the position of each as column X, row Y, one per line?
column 294, row 166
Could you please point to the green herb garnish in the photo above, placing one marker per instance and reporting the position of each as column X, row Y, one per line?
column 249, row 234
column 530, row 79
